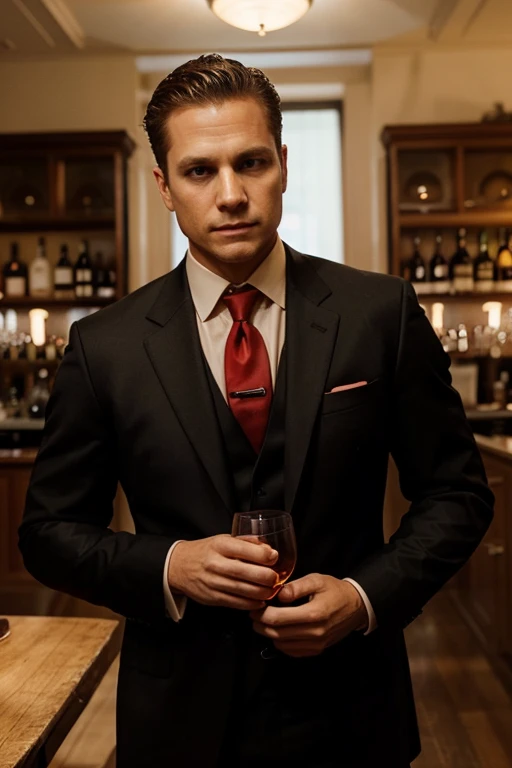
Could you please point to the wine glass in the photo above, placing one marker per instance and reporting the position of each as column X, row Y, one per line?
column 275, row 528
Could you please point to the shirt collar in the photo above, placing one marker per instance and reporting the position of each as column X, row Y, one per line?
column 206, row 287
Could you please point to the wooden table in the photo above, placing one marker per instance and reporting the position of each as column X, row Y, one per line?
column 49, row 669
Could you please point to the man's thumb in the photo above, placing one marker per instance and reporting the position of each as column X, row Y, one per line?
column 295, row 590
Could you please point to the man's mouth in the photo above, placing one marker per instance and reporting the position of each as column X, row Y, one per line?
column 235, row 227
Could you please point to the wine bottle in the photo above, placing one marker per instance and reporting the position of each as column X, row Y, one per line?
column 15, row 274
column 83, row 272
column 438, row 269
column 39, row 273
column 504, row 261
column 461, row 266
column 39, row 395
column 63, row 280
column 483, row 267
column 105, row 288
column 417, row 264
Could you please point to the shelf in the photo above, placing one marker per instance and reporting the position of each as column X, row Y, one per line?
column 465, row 297
column 453, row 220
column 28, row 301
column 56, row 225
column 477, row 415
column 19, row 423
column 23, row 365
column 477, row 356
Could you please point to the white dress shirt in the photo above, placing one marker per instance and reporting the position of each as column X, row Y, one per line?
column 214, row 323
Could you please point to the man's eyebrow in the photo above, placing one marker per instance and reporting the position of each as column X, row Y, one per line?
column 190, row 161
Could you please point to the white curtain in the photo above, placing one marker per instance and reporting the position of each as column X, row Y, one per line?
column 312, row 205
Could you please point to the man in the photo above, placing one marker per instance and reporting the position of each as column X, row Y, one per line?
column 252, row 377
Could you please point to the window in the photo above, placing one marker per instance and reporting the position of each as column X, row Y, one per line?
column 312, row 205
column 312, row 219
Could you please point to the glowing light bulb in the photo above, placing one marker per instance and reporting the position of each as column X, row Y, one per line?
column 37, row 326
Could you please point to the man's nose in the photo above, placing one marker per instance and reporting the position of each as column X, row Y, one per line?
column 230, row 190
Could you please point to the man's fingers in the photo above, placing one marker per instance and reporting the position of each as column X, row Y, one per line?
column 253, row 550
column 299, row 588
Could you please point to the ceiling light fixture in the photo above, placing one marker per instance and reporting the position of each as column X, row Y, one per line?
column 260, row 16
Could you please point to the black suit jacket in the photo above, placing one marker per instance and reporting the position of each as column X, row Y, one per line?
column 131, row 403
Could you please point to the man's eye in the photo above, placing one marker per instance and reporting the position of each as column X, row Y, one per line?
column 201, row 170
column 252, row 162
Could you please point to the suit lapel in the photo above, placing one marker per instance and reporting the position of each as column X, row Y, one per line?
column 310, row 335
column 175, row 353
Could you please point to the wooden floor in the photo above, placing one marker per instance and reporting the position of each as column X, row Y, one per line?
column 465, row 714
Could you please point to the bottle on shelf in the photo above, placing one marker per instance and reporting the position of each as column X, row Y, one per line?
column 12, row 404
column 504, row 261
column 461, row 266
column 483, row 267
column 104, row 286
column 405, row 269
column 83, row 272
column 39, row 395
column 418, row 272
column 438, row 269
column 40, row 273
column 63, row 280
column 27, row 349
column 15, row 274
column 50, row 348
column 500, row 390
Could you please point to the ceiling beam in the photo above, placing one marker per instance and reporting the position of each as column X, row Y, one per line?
column 453, row 19
column 66, row 21
column 34, row 22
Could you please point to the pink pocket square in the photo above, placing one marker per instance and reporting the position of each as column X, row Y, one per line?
column 347, row 386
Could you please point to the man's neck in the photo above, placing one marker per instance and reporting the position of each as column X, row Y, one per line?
column 235, row 272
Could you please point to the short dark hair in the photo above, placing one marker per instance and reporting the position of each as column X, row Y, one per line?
column 209, row 79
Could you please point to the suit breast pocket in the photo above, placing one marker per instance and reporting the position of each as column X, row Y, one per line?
column 348, row 400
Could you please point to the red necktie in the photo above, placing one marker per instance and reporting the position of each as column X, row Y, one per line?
column 247, row 368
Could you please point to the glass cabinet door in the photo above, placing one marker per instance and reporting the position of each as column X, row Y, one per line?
column 24, row 188
column 89, row 187
column 488, row 179
column 426, row 180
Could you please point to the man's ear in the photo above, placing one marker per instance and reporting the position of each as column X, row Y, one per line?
column 284, row 166
column 163, row 188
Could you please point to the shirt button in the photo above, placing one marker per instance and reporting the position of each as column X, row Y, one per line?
column 260, row 492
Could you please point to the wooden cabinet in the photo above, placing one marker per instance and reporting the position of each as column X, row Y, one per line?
column 482, row 587
column 445, row 182
column 444, row 176
column 66, row 184
column 482, row 590
column 66, row 188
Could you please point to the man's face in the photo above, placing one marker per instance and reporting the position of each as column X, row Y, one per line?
column 226, row 180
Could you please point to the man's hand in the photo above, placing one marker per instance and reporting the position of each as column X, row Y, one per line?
column 334, row 610
column 223, row 570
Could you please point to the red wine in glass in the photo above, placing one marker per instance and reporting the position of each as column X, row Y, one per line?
column 275, row 528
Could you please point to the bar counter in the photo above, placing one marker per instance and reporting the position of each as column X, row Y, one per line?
column 17, row 456
column 50, row 666
column 498, row 445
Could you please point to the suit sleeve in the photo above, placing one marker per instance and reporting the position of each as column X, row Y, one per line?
column 441, row 474
column 64, row 537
